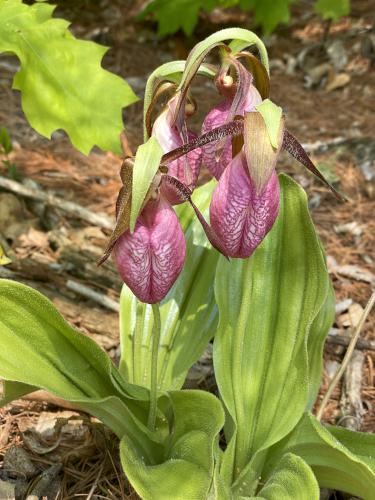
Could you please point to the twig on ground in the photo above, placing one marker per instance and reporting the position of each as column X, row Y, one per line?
column 354, row 273
column 351, row 401
column 97, row 297
column 347, row 356
column 72, row 209
column 338, row 339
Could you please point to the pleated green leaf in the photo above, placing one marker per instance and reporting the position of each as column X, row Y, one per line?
column 292, row 479
column 185, row 468
column 188, row 313
column 267, row 305
column 360, row 443
column 315, row 344
column 62, row 82
column 39, row 350
column 340, row 459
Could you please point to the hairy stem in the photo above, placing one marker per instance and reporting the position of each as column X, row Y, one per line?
column 154, row 367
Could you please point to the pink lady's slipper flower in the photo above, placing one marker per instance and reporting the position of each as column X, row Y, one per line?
column 150, row 260
column 186, row 168
column 245, row 203
column 239, row 215
column 231, row 106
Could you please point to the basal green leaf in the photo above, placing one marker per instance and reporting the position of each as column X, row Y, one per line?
column 185, row 467
column 188, row 313
column 266, row 305
column 146, row 164
column 62, row 82
column 332, row 9
column 315, row 345
column 38, row 349
column 292, row 479
column 335, row 466
column 360, row 443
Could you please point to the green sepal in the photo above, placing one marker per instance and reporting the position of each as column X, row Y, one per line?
column 271, row 114
column 146, row 164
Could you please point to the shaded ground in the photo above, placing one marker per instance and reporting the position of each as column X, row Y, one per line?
column 330, row 108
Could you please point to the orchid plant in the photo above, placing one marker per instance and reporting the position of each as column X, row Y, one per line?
column 252, row 280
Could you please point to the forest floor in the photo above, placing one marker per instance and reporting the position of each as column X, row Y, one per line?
column 324, row 79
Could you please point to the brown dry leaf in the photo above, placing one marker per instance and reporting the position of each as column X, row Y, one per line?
column 33, row 239
column 4, row 433
column 337, row 81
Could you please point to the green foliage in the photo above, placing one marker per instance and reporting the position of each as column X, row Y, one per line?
column 268, row 13
column 173, row 15
column 185, row 467
column 40, row 350
column 189, row 307
column 346, row 466
column 332, row 9
column 61, row 80
column 177, row 14
column 270, row 308
column 266, row 305
column 6, row 148
column 5, row 141
column 292, row 478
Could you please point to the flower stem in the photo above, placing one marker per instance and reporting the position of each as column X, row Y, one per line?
column 154, row 367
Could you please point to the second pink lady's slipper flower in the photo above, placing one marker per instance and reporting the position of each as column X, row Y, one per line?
column 239, row 215
column 186, row 168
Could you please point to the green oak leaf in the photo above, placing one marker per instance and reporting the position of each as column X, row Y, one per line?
column 268, row 13
column 332, row 9
column 61, row 80
column 172, row 16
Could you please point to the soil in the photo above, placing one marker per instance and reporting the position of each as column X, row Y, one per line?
column 332, row 114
